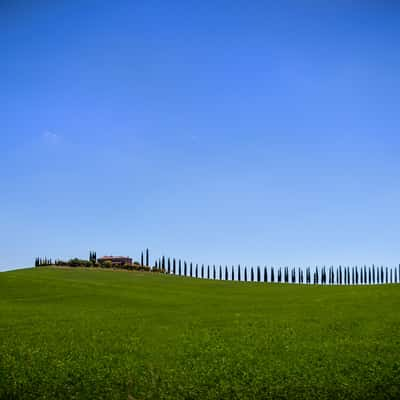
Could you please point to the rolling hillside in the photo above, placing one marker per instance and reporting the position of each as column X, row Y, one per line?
column 83, row 334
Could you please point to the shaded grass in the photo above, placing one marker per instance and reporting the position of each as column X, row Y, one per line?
column 78, row 334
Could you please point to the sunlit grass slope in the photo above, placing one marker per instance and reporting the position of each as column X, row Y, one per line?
column 95, row 334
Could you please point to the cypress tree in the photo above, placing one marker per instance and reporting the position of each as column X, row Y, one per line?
column 387, row 274
column 174, row 266
column 272, row 275
column 169, row 265
column 202, row 271
column 214, row 272
column 197, row 270
column 147, row 257
column 191, row 269
column 239, row 272
column 258, row 274
column 163, row 263
column 391, row 275
column 265, row 274
column 208, row 272
column 185, row 268
column 395, row 276
column 220, row 272
column 232, row 274
column 245, row 273
column 252, row 274
column 141, row 259
column 180, row 268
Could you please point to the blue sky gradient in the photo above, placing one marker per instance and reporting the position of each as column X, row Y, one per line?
column 220, row 132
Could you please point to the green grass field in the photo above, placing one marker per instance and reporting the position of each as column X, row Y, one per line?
column 95, row 334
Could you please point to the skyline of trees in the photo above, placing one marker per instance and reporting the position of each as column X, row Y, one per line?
column 321, row 275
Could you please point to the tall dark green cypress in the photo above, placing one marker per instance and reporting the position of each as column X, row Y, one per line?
column 197, row 270
column 239, row 270
column 180, row 268
column 214, row 272
column 232, row 273
column 169, row 265
column 258, row 274
column 191, row 269
column 220, row 272
column 252, row 274
column 272, row 275
column 184, row 268
column 202, row 271
column 245, row 273
column 174, row 266
column 141, row 259
column 265, row 274
column 147, row 257
column 208, row 272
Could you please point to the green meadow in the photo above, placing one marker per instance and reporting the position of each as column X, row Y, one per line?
column 96, row 334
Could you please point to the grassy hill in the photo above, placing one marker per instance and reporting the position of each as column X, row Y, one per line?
column 83, row 334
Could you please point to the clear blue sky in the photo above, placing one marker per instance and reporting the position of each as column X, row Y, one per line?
column 219, row 132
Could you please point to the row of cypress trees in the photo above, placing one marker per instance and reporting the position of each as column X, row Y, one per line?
column 42, row 261
column 318, row 275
